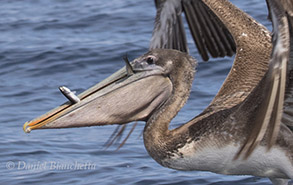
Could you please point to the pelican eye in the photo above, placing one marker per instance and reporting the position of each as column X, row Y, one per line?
column 150, row 60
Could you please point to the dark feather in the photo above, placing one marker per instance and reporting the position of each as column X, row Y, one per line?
column 209, row 33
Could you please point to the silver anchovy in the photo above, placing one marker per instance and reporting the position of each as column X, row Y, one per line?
column 69, row 94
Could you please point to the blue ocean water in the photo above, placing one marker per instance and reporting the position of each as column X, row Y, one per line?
column 48, row 43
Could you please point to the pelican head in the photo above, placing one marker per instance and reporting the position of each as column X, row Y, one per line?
column 131, row 94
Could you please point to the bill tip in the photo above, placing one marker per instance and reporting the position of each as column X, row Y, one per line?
column 26, row 128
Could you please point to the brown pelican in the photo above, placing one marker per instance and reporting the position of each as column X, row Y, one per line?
column 245, row 129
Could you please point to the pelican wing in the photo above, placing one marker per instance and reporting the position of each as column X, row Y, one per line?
column 287, row 117
column 276, row 88
column 168, row 32
column 209, row 33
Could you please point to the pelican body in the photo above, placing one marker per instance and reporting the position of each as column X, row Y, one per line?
column 245, row 130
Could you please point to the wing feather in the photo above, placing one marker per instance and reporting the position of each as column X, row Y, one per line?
column 169, row 30
column 274, row 85
column 209, row 33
